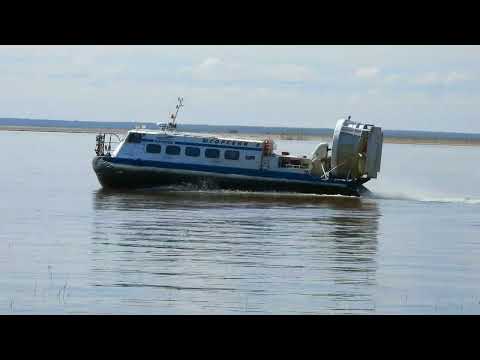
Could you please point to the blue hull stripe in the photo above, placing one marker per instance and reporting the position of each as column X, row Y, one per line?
column 224, row 170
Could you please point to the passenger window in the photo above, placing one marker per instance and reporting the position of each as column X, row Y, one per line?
column 172, row 150
column 134, row 138
column 153, row 148
column 212, row 153
column 249, row 157
column 192, row 151
column 231, row 154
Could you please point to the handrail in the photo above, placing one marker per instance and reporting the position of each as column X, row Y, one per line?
column 104, row 148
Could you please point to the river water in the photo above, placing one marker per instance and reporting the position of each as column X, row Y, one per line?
column 68, row 247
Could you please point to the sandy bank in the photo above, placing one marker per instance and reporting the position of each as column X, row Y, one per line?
column 387, row 140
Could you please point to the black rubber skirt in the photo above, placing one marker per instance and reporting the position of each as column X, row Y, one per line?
column 119, row 176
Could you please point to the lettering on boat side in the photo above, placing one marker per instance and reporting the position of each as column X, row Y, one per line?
column 226, row 142
column 214, row 142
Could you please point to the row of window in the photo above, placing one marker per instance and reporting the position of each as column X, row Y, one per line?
column 195, row 152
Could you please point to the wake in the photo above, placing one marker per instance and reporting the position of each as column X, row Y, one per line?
column 365, row 195
column 422, row 198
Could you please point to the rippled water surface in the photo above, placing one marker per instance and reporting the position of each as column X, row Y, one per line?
column 66, row 246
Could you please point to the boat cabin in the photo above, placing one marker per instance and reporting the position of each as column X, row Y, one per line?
column 206, row 149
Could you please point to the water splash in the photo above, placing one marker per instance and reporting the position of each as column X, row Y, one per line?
column 192, row 189
column 423, row 198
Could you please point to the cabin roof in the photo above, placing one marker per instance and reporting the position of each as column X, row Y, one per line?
column 192, row 135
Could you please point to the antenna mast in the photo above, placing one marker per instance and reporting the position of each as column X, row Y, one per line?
column 174, row 116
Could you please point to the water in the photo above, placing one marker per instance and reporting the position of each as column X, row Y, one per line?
column 66, row 246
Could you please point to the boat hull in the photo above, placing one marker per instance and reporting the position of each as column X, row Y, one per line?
column 139, row 175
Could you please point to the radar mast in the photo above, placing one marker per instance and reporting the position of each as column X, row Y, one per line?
column 172, row 124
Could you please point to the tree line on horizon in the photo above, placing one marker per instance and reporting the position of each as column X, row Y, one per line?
column 412, row 134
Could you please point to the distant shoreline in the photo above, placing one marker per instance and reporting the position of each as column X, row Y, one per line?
column 387, row 139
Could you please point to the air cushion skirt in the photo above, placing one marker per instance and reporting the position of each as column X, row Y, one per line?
column 121, row 173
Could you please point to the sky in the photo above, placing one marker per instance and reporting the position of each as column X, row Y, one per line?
column 433, row 88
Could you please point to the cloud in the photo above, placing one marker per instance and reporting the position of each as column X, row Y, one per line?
column 435, row 78
column 289, row 72
column 392, row 78
column 457, row 77
column 210, row 62
column 216, row 69
column 367, row 72
column 429, row 78
column 211, row 68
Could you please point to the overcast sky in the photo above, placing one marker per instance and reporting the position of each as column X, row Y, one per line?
column 397, row 87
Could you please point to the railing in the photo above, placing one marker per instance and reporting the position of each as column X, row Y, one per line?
column 167, row 127
column 104, row 147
